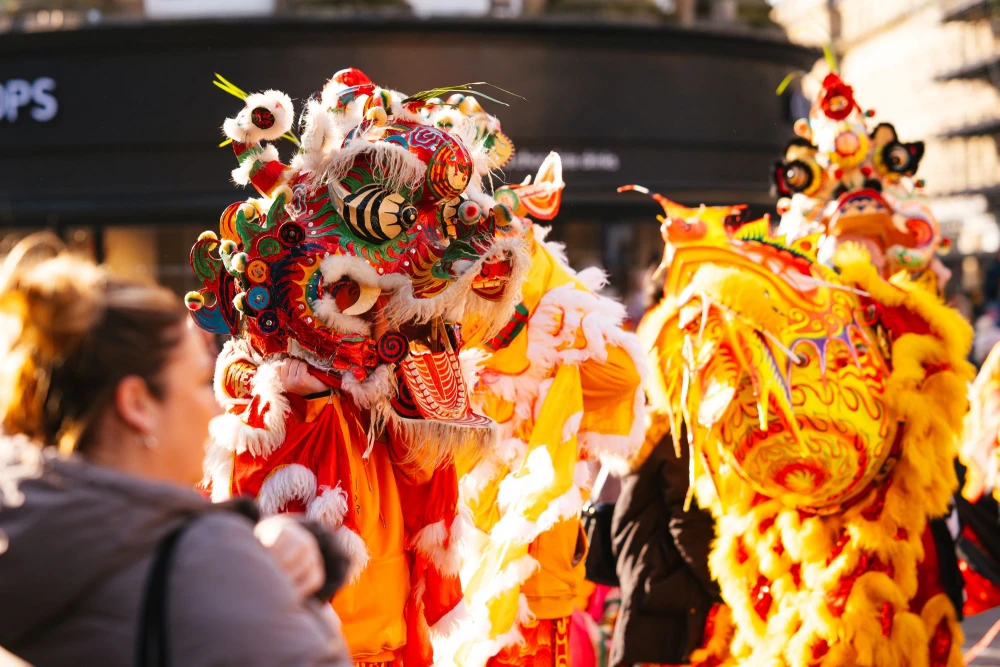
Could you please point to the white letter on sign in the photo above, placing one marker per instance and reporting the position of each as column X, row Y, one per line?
column 41, row 92
column 18, row 95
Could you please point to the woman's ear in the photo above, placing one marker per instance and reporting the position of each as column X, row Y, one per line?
column 135, row 405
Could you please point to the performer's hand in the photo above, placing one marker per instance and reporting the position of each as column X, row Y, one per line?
column 295, row 550
column 295, row 378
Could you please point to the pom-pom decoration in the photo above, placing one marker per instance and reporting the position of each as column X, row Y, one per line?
column 228, row 247
column 350, row 76
column 508, row 197
column 209, row 235
column 239, row 262
column 470, row 212
column 377, row 115
column 248, row 210
column 194, row 301
column 504, row 216
column 239, row 302
column 267, row 116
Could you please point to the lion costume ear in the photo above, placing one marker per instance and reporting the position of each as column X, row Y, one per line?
column 883, row 134
column 895, row 156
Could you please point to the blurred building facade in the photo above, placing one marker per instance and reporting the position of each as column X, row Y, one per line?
column 111, row 126
column 932, row 68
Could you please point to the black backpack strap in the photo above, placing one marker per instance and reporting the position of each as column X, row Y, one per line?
column 153, row 643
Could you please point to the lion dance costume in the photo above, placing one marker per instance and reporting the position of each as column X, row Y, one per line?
column 978, row 507
column 564, row 382
column 360, row 257
column 821, row 405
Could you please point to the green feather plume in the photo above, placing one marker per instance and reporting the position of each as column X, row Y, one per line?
column 831, row 59
column 465, row 88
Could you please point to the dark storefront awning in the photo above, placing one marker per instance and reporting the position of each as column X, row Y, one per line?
column 134, row 135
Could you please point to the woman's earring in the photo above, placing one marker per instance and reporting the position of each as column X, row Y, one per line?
column 149, row 441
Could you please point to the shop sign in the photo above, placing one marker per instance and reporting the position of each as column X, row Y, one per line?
column 21, row 99
column 526, row 160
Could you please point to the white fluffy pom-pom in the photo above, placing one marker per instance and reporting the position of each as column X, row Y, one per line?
column 265, row 117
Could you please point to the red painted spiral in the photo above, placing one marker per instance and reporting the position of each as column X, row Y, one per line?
column 392, row 347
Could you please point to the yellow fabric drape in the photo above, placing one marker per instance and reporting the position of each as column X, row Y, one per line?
column 573, row 378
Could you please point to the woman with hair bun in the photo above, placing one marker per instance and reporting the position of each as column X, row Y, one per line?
column 107, row 554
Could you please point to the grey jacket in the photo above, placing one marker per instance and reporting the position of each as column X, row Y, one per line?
column 79, row 543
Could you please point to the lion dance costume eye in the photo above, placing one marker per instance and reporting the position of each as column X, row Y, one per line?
column 342, row 263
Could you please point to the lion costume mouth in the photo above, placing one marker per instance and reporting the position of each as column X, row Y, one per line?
column 866, row 214
column 431, row 374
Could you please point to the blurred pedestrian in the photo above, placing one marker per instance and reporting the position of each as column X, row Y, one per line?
column 667, row 591
column 987, row 330
column 107, row 554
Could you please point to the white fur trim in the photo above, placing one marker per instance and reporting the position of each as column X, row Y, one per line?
column 572, row 426
column 451, row 622
column 234, row 349
column 438, row 440
column 355, row 547
column 593, row 278
column 328, row 313
column 476, row 480
column 430, row 542
column 329, row 507
column 241, row 175
column 516, row 573
column 484, row 648
column 218, row 471
column 331, row 90
column 317, row 136
column 373, row 390
column 482, row 198
column 243, row 130
column 335, row 267
column 512, row 451
column 394, row 166
column 463, row 529
column 600, row 320
column 459, row 299
column 514, row 529
column 290, row 482
column 471, row 360
column 569, row 504
column 231, row 431
column 555, row 248
column 540, row 475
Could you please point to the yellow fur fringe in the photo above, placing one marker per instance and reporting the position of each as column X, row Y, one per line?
column 793, row 554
